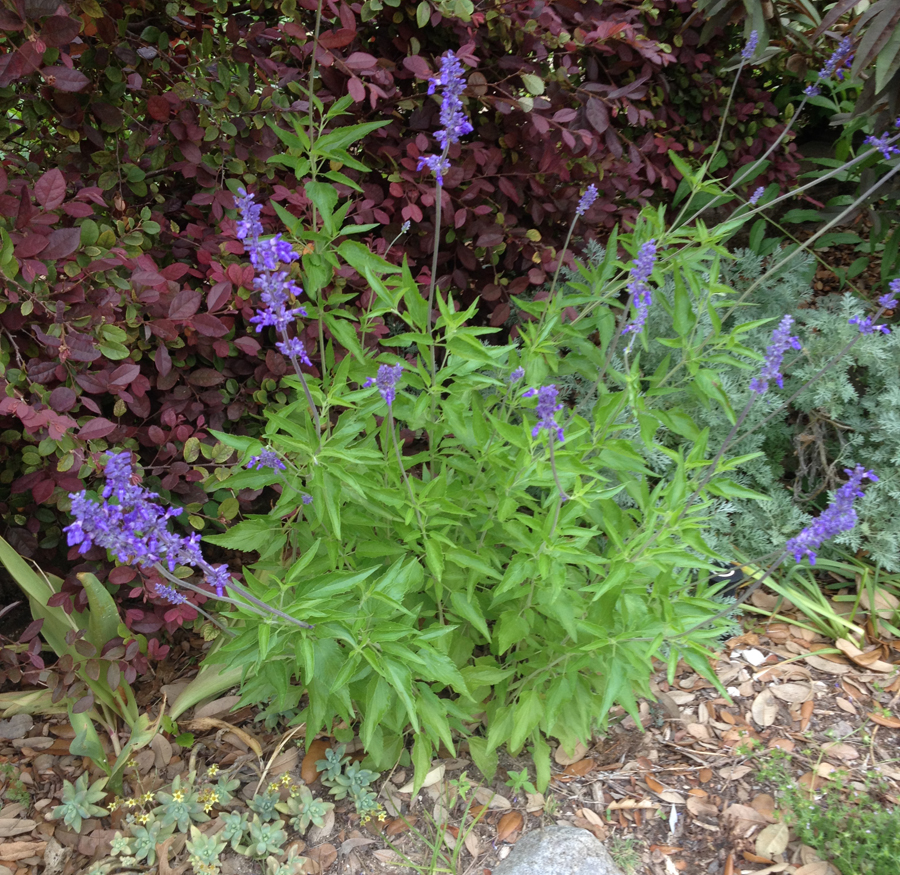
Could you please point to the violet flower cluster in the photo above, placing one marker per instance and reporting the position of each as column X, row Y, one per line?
column 273, row 284
column 587, row 200
column 266, row 459
column 755, row 197
column 839, row 58
column 887, row 301
column 782, row 341
column 386, row 381
column 882, row 145
column 638, row 289
column 839, row 516
column 453, row 117
column 749, row 50
column 546, row 410
column 134, row 529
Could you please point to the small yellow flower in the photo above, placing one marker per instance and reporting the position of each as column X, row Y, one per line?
column 147, row 798
column 178, row 796
column 143, row 818
column 212, row 771
column 132, row 803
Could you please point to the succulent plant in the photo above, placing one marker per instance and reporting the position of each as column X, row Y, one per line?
column 353, row 782
column 265, row 838
column 236, row 826
column 144, row 840
column 79, row 801
column 293, row 865
column 205, row 851
column 264, row 804
column 304, row 809
column 331, row 767
column 180, row 807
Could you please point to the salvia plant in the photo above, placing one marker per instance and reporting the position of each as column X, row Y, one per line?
column 458, row 549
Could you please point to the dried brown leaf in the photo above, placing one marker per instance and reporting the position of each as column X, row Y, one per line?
column 764, row 708
column 510, row 823
column 772, row 840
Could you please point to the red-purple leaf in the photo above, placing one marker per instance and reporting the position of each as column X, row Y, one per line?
column 40, row 492
column 361, row 61
column 175, row 271
column 597, row 115
column 62, row 399
column 565, row 115
column 147, row 278
column 337, row 39
column 77, row 210
column 163, row 360
column 93, row 382
column 209, row 326
column 50, row 189
column 418, row 65
column 191, row 152
column 10, row 21
column 60, row 30
column 205, row 377
column 218, row 296
column 31, row 246
column 356, row 89
column 96, row 428
column 249, row 345
column 123, row 375
column 158, row 108
column 63, row 242
column 184, row 304
column 64, row 79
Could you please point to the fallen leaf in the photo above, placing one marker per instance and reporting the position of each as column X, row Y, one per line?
column 203, row 724
column 510, row 823
column 433, row 777
column 579, row 769
column 631, row 804
column 566, row 759
column 729, row 865
column 705, row 775
column 764, row 708
column 702, row 807
column 314, row 753
column 13, row 826
column 743, row 818
column 666, row 849
column 12, row 851
column 840, row 750
column 387, row 856
column 881, row 720
column 828, row 664
column 654, row 785
column 323, row 855
column 735, row 773
column 697, row 791
column 219, row 706
column 535, row 802
column 750, row 857
column 772, row 840
column 845, row 705
column 672, row 797
column 764, row 804
column 786, row 744
column 493, row 800
column 591, row 816
column 317, row 833
column 18, row 726
column 806, row 710
column 793, row 693
column 870, row 660
column 355, row 842
column 473, row 844
column 400, row 824
column 820, row 867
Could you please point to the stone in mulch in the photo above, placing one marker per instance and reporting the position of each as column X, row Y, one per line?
column 558, row 850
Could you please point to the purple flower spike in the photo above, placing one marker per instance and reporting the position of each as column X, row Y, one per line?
column 750, row 49
column 782, row 341
column 170, row 594
column 294, row 348
column 841, row 56
column 882, row 145
column 889, row 300
column 866, row 325
column 453, row 117
column 838, row 517
column 755, row 197
column 546, row 411
column 639, row 290
column 266, row 459
column 386, row 381
column 517, row 375
column 587, row 200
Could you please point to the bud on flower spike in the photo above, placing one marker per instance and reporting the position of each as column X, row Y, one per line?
column 750, row 49
column 386, row 381
column 782, row 341
column 546, row 411
column 639, row 290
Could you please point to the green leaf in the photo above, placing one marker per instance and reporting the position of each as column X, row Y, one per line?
column 534, row 84
column 469, row 612
column 423, row 13
column 726, row 488
column 486, row 761
column 421, row 757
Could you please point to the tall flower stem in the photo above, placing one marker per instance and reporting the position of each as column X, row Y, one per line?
column 314, row 411
column 562, row 493
column 559, row 263
column 409, row 489
column 438, row 189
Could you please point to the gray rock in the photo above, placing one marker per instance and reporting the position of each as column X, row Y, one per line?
column 558, row 850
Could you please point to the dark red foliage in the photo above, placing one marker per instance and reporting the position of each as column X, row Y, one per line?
column 125, row 305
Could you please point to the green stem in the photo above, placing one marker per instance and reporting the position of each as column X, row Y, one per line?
column 409, row 489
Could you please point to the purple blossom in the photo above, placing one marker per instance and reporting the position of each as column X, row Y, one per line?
column 267, row 459
column 275, row 289
column 882, row 145
column 755, row 197
column 453, row 117
column 386, row 381
column 170, row 594
column 638, row 289
column 838, row 517
column 866, row 325
column 437, row 164
column 306, row 498
column 587, row 200
column 889, row 300
column 750, row 49
column 404, row 228
column 782, row 341
column 517, row 375
column 294, row 348
column 841, row 56
column 134, row 529
column 546, row 410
